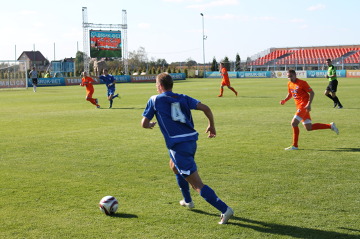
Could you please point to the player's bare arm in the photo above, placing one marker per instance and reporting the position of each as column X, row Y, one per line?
column 145, row 123
column 308, row 105
column 288, row 97
column 208, row 113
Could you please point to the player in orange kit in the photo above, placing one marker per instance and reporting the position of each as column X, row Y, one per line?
column 88, row 82
column 303, row 96
column 225, row 80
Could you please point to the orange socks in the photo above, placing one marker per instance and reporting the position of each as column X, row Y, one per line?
column 296, row 133
column 221, row 92
column 92, row 101
column 233, row 90
column 321, row 126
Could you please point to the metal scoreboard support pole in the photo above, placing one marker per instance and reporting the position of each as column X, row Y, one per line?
column 86, row 40
column 125, row 43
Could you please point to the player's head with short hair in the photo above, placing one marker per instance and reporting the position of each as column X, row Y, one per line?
column 291, row 71
column 165, row 81
column 291, row 74
column 105, row 71
column 84, row 73
column 328, row 61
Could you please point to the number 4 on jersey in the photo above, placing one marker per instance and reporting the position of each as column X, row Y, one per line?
column 176, row 113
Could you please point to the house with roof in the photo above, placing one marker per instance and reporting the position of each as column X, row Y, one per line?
column 33, row 58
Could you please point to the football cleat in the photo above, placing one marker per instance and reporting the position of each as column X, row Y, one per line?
column 334, row 128
column 292, row 147
column 189, row 205
column 224, row 217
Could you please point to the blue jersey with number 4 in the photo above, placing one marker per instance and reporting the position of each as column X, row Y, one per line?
column 173, row 113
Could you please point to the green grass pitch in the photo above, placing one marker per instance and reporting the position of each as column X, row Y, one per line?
column 59, row 156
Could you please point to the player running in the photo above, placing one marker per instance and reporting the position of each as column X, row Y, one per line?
column 225, row 80
column 87, row 81
column 173, row 112
column 109, row 81
column 303, row 96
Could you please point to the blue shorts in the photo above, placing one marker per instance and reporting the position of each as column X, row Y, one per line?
column 183, row 156
column 110, row 92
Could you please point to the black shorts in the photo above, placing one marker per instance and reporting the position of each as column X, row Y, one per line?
column 332, row 86
column 34, row 81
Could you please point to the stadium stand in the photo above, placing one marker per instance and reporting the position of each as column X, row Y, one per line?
column 308, row 56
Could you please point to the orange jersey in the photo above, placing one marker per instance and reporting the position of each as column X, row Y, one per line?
column 225, row 76
column 87, row 81
column 299, row 90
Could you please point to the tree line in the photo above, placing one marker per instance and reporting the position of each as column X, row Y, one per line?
column 138, row 63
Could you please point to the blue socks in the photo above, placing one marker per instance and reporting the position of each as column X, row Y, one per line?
column 209, row 195
column 206, row 192
column 184, row 187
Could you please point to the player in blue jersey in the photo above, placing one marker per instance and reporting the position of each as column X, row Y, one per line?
column 173, row 112
column 109, row 81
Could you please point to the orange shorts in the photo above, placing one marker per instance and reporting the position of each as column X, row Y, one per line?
column 89, row 94
column 303, row 115
column 225, row 82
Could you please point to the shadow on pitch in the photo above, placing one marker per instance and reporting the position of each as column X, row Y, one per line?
column 339, row 150
column 122, row 108
column 124, row 215
column 255, row 97
column 284, row 230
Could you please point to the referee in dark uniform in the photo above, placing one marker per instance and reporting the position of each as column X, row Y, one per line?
column 333, row 83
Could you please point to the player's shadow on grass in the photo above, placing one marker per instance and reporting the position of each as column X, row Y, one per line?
column 124, row 215
column 284, row 230
column 340, row 150
column 123, row 108
column 256, row 97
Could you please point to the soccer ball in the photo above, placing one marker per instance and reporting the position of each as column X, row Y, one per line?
column 108, row 205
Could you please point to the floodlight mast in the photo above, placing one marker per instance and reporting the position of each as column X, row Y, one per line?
column 204, row 38
column 86, row 40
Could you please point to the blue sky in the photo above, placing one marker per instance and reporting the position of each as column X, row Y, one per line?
column 172, row 29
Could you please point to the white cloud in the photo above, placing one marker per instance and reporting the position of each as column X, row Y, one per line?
column 27, row 13
column 297, row 20
column 265, row 18
column 304, row 26
column 143, row 25
column 226, row 16
column 243, row 18
column 217, row 3
column 316, row 7
column 180, row 1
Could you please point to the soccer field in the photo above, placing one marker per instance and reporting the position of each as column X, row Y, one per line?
column 59, row 156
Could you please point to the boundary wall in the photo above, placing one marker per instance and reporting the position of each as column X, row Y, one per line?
column 61, row 81
column 283, row 74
